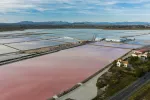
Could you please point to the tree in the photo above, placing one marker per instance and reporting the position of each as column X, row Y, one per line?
column 139, row 72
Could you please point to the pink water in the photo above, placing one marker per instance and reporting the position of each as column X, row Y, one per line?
column 42, row 77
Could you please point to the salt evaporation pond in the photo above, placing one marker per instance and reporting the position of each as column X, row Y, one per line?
column 5, row 50
column 13, row 40
column 82, row 34
column 42, row 77
column 141, row 40
column 35, row 44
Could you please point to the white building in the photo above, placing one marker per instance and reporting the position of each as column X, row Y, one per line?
column 99, row 39
column 141, row 53
column 115, row 39
column 125, row 63
column 55, row 97
column 112, row 40
column 118, row 64
column 122, row 63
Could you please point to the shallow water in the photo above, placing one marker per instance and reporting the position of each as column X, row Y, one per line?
column 5, row 49
column 42, row 77
column 118, row 45
column 83, row 34
column 35, row 44
column 3, row 41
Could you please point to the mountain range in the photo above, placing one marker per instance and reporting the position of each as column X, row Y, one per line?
column 75, row 23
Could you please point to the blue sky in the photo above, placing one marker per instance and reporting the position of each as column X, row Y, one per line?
column 75, row 10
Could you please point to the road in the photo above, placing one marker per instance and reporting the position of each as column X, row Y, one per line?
column 127, row 92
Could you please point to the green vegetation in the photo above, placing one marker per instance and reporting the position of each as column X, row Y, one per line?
column 116, row 85
column 142, row 93
column 119, row 77
column 15, row 26
column 140, row 66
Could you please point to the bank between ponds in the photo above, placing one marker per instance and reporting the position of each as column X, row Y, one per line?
column 27, row 54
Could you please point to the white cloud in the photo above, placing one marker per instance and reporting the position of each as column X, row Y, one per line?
column 45, row 5
column 53, row 9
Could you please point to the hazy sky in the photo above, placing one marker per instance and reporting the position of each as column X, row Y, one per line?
column 75, row 10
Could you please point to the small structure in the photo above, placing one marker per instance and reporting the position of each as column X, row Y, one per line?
column 144, row 57
column 125, row 63
column 113, row 39
column 141, row 53
column 79, row 84
column 116, row 40
column 55, row 97
column 123, row 39
column 122, row 63
column 136, row 54
column 99, row 39
column 119, row 62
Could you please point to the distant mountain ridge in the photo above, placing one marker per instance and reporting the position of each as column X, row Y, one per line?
column 75, row 23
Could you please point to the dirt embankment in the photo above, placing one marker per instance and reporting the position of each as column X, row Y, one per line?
column 54, row 48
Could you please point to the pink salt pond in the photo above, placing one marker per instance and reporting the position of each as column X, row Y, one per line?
column 42, row 77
